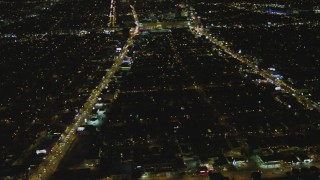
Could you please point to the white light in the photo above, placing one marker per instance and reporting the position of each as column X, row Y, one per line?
column 79, row 129
column 42, row 151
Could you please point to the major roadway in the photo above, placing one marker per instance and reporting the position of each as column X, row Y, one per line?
column 50, row 164
column 112, row 16
column 305, row 101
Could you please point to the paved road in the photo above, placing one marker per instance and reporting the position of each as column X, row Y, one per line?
column 112, row 15
column 47, row 168
column 305, row 101
column 49, row 165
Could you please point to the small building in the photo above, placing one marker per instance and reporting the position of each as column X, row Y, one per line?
column 270, row 161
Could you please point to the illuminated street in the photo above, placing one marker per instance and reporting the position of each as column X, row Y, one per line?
column 160, row 89
column 305, row 101
column 51, row 163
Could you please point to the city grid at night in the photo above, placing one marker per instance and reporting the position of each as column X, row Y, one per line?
column 160, row 89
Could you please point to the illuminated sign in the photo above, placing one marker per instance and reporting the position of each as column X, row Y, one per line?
column 42, row 151
column 79, row 129
column 118, row 49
